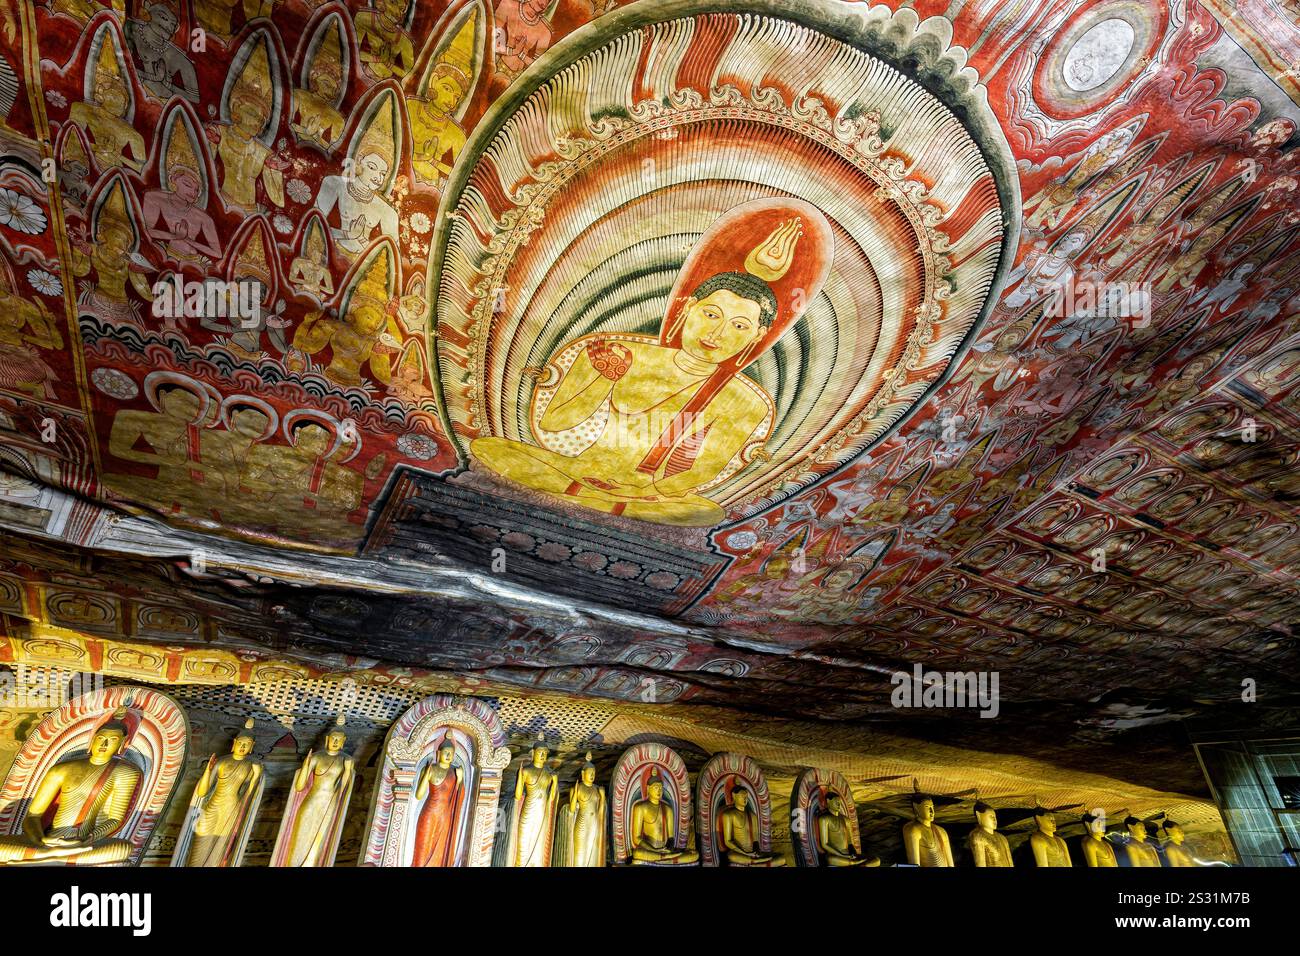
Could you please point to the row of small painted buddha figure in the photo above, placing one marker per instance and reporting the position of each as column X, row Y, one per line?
column 926, row 843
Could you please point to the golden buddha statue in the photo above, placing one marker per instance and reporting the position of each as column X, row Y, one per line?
column 440, row 791
column 1175, row 853
column 1096, row 849
column 92, row 797
column 987, row 846
column 585, row 842
column 1048, row 848
column 924, row 841
column 223, row 806
column 739, row 839
column 674, row 417
column 652, row 829
column 113, row 140
column 316, row 116
column 367, row 334
column 322, row 789
column 835, row 839
column 1139, row 851
column 536, row 792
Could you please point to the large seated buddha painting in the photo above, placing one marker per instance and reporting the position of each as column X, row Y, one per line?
column 696, row 260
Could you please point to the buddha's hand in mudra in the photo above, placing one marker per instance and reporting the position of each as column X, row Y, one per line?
column 610, row 359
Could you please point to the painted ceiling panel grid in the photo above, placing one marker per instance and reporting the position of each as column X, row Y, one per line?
column 738, row 352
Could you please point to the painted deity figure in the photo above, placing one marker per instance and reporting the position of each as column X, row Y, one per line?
column 1096, row 849
column 280, row 480
column 91, row 796
column 586, row 809
column 677, row 411
column 440, row 789
column 165, row 69
column 360, row 197
column 1175, row 853
column 536, row 790
column 1137, row 849
column 925, row 842
column 25, row 326
column 104, row 118
column 1045, row 273
column 245, row 159
column 1048, row 848
column 437, row 138
column 522, row 34
column 223, row 806
column 367, row 334
column 171, row 441
column 653, row 831
column 835, row 838
column 316, row 118
column 385, row 48
column 987, row 846
column 310, row 272
column 1051, row 204
column 113, row 260
column 313, row 821
column 173, row 218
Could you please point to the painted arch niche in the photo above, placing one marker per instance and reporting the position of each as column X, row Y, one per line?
column 669, row 143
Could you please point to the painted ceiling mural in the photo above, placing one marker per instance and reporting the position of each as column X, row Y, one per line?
column 752, row 346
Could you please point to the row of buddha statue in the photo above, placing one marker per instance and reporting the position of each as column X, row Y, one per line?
column 94, row 778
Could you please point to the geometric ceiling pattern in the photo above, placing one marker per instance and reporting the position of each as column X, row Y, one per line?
column 364, row 332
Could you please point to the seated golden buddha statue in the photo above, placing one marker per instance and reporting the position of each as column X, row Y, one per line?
column 834, row 838
column 740, row 834
column 652, row 830
column 91, row 796
column 674, row 415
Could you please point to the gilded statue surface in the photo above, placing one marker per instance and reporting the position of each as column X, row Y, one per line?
column 924, row 840
column 1048, row 848
column 653, row 832
column 739, row 833
column 586, row 812
column 1175, row 853
column 92, row 797
column 1140, row 852
column 313, row 820
column 987, row 846
column 1096, row 849
column 223, row 806
column 440, row 792
column 536, row 790
column 835, row 839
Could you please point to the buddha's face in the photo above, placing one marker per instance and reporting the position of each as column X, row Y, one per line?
column 249, row 423
column 719, row 326
column 372, row 170
column 112, row 98
column 589, row 775
column 924, row 811
column 539, row 756
column 334, row 741
column 392, row 8
column 163, row 20
column 1175, row 833
column 1097, row 826
column 740, row 798
column 445, row 755
column 1046, row 823
column 836, row 806
column 312, row 441
column 1071, row 244
column 185, row 185
column 180, row 405
column 445, row 94
column 655, row 792
column 114, row 243
column 988, row 819
column 242, row 747
column 325, row 82
column 249, row 114
column 367, row 319
column 1138, row 831
column 106, row 745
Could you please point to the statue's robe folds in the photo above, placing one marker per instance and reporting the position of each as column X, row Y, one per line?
column 438, row 825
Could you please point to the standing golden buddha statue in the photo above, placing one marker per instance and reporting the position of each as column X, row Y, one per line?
column 925, row 842
column 583, row 842
column 440, row 791
column 1048, row 848
column 313, row 821
column 1175, row 853
column 987, row 846
column 92, row 797
column 221, row 813
column 533, row 823
column 1140, row 852
column 1094, row 846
